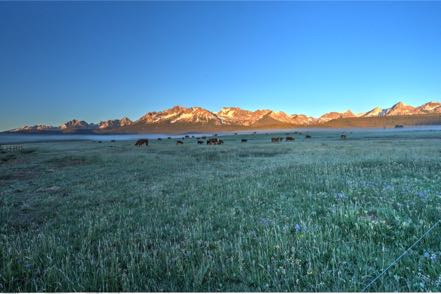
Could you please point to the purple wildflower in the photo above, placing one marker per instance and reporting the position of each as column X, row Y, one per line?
column 426, row 254
column 340, row 196
column 265, row 222
column 422, row 194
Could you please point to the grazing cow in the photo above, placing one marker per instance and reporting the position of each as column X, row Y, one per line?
column 200, row 142
column 343, row 137
column 169, row 138
column 113, row 141
column 141, row 142
column 308, row 137
column 100, row 141
column 289, row 139
column 243, row 140
column 275, row 139
column 214, row 141
column 159, row 139
column 179, row 142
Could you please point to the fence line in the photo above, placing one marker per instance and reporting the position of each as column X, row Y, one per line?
column 399, row 257
column 10, row 147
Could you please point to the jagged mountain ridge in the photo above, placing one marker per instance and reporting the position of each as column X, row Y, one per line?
column 197, row 118
column 115, row 123
column 335, row 115
column 179, row 114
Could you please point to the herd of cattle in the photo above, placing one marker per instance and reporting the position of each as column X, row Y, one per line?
column 216, row 141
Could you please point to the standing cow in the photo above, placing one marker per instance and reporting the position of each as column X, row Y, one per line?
column 214, row 141
column 141, row 142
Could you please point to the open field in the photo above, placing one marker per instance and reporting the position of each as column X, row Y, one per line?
column 322, row 214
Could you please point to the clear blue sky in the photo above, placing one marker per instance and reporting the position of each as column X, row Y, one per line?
column 95, row 60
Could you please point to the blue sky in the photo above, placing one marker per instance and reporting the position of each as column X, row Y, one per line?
column 102, row 60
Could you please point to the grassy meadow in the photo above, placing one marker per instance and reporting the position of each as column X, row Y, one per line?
column 319, row 214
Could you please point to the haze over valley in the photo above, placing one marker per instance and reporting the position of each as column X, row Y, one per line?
column 182, row 119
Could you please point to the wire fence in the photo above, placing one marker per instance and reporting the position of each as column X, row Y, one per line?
column 401, row 256
column 11, row 148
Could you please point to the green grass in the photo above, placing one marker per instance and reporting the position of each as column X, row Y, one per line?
column 84, row 216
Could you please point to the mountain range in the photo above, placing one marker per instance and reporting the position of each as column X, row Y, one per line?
column 182, row 119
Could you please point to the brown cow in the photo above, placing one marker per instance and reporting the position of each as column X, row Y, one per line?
column 179, row 142
column 214, row 141
column 141, row 142
column 289, row 139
